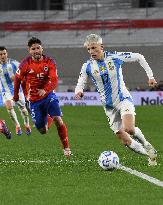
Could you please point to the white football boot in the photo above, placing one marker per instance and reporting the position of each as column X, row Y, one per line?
column 67, row 152
column 152, row 153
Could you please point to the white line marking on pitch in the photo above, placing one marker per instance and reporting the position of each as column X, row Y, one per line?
column 42, row 161
column 126, row 169
column 142, row 175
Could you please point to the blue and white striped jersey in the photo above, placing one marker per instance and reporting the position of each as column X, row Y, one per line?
column 108, row 78
column 7, row 73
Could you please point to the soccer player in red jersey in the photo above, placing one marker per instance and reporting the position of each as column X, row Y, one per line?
column 39, row 73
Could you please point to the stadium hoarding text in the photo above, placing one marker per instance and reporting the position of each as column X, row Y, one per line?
column 89, row 98
column 92, row 98
column 148, row 97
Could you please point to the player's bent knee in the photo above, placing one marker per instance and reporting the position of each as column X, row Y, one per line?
column 58, row 121
column 25, row 112
column 126, row 142
column 130, row 131
column 125, row 139
column 9, row 106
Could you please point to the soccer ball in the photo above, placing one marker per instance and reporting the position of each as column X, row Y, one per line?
column 108, row 160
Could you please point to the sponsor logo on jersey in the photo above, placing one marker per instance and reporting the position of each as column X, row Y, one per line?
column 103, row 69
column 31, row 71
column 111, row 67
column 9, row 69
column 51, row 99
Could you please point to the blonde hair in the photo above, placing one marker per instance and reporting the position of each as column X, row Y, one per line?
column 92, row 38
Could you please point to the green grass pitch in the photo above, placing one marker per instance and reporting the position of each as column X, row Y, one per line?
column 33, row 170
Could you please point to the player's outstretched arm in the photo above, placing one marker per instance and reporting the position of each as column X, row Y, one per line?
column 131, row 57
column 82, row 80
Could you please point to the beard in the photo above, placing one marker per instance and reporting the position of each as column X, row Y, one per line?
column 37, row 56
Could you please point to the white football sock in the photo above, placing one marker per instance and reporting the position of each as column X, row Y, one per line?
column 13, row 116
column 137, row 147
column 25, row 116
column 139, row 135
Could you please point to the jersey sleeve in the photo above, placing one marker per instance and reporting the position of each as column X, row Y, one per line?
column 16, row 65
column 133, row 57
column 82, row 80
column 20, row 72
column 53, row 77
column 19, row 76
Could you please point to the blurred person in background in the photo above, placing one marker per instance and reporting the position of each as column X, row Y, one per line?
column 160, row 85
column 8, row 69
column 140, row 88
column 104, row 68
column 39, row 74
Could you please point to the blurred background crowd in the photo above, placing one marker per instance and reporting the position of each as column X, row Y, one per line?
column 62, row 25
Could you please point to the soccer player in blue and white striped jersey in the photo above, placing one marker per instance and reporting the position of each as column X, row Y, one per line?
column 8, row 69
column 104, row 69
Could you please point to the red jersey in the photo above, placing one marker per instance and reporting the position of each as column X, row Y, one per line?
column 36, row 75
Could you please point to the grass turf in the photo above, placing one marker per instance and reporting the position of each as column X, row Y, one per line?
column 52, row 179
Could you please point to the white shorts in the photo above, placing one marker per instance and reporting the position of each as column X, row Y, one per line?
column 114, row 115
column 8, row 96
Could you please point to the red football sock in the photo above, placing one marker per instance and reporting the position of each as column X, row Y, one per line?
column 62, row 132
column 50, row 121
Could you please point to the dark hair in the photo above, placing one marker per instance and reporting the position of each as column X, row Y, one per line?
column 3, row 48
column 34, row 40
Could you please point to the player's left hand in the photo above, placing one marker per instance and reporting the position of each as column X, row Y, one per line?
column 152, row 82
column 41, row 92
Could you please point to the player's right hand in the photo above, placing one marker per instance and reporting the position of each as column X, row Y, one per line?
column 79, row 95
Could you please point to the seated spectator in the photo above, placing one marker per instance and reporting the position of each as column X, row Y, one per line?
column 70, row 89
column 140, row 88
column 159, row 87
